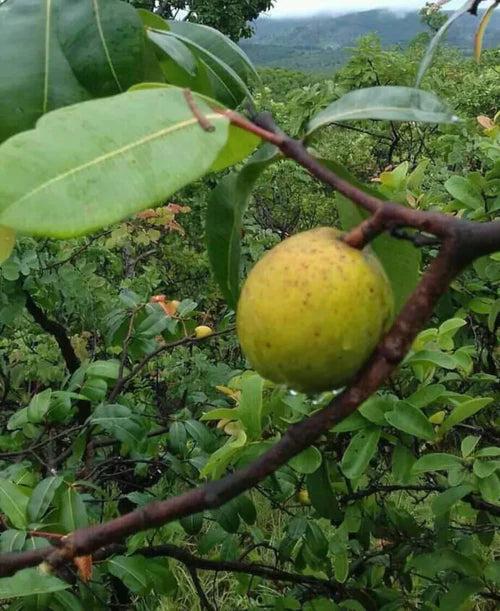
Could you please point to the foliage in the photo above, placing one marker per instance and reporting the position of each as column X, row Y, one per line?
column 110, row 402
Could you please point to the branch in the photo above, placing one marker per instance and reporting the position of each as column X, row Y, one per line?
column 462, row 241
column 56, row 330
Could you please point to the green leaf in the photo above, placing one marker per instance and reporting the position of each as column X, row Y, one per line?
column 464, row 411
column 103, row 42
column 432, row 357
column 402, row 463
column 227, row 516
column 192, row 524
column 42, row 497
column 119, row 422
column 201, row 435
column 246, row 509
column 444, row 502
column 7, row 241
column 39, row 406
column 72, row 510
column 104, row 369
column 385, row 103
column 226, row 207
column 459, row 593
column 484, row 469
column 35, row 76
column 359, row 452
column 469, row 443
column 316, row 540
column 436, row 462
column 12, row 540
column 410, row 420
column 178, row 437
column 222, row 457
column 222, row 413
column 341, row 566
column 354, row 422
column 30, row 582
column 488, row 452
column 400, row 259
column 321, row 493
column 250, row 407
column 307, row 461
column 133, row 571
column 13, row 503
column 375, row 407
column 465, row 191
column 426, row 61
column 71, row 186
column 489, row 487
column 426, row 396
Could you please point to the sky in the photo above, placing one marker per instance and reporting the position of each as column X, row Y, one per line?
column 291, row 8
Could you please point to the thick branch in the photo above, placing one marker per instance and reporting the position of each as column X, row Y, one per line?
column 57, row 331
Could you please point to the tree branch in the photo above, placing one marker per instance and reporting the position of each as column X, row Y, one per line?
column 56, row 330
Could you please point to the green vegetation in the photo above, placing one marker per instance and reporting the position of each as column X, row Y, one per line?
column 131, row 211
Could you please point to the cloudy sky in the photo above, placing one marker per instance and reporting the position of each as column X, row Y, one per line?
column 300, row 7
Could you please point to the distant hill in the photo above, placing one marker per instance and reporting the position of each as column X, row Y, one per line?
column 318, row 43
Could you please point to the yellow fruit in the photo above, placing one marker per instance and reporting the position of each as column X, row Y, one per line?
column 437, row 418
column 203, row 331
column 312, row 310
column 304, row 498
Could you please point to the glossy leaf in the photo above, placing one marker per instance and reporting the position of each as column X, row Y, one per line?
column 226, row 207
column 192, row 524
column 39, row 406
column 133, row 571
column 426, row 61
column 465, row 191
column 469, row 443
column 385, row 103
column 426, row 396
column 489, row 487
column 103, row 42
column 307, row 461
column 118, row 421
column 465, row 410
column 28, row 582
column 410, row 420
column 435, row 462
column 444, row 502
column 13, row 503
column 359, row 452
column 321, row 493
column 227, row 516
column 432, row 357
column 250, row 408
column 72, row 510
column 42, row 497
column 12, row 540
column 58, row 186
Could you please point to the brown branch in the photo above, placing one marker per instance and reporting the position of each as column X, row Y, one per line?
column 462, row 241
column 200, row 117
column 56, row 330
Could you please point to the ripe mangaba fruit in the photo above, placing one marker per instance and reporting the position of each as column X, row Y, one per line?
column 312, row 310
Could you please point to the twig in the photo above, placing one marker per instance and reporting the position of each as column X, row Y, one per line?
column 202, row 120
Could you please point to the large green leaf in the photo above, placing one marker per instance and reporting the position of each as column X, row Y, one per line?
column 226, row 207
column 126, row 153
column 29, row 582
column 103, row 41
column 35, row 76
column 359, row 452
column 385, row 103
column 445, row 501
column 400, row 259
column 72, row 510
column 13, row 503
column 133, row 571
column 436, row 462
column 250, row 407
column 42, row 496
column 119, row 422
column 465, row 410
column 410, row 420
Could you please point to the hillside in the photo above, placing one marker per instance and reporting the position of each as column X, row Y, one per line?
column 318, row 43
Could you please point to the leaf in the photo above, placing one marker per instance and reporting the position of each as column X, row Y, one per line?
column 459, row 593
column 103, row 41
column 341, row 566
column 192, row 524
column 307, row 461
column 488, row 452
column 375, row 407
column 426, row 61
column 484, row 469
column 39, row 406
column 246, row 509
column 57, row 186
column 478, row 39
column 321, row 493
column 227, row 516
column 133, row 571
column 354, row 422
column 12, row 540
column 119, row 422
column 385, row 103
column 402, row 463
column 465, row 191
column 28, row 582
column 468, row 444
column 400, row 259
column 316, row 540
column 250, row 407
column 489, row 487
column 465, row 410
column 42, row 497
column 201, row 435
column 444, row 502
column 410, row 420
column 72, row 510
column 178, row 437
column 7, row 241
column 425, row 396
column 13, row 503
column 432, row 357
column 436, row 462
column 359, row 452
column 39, row 78
column 226, row 207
